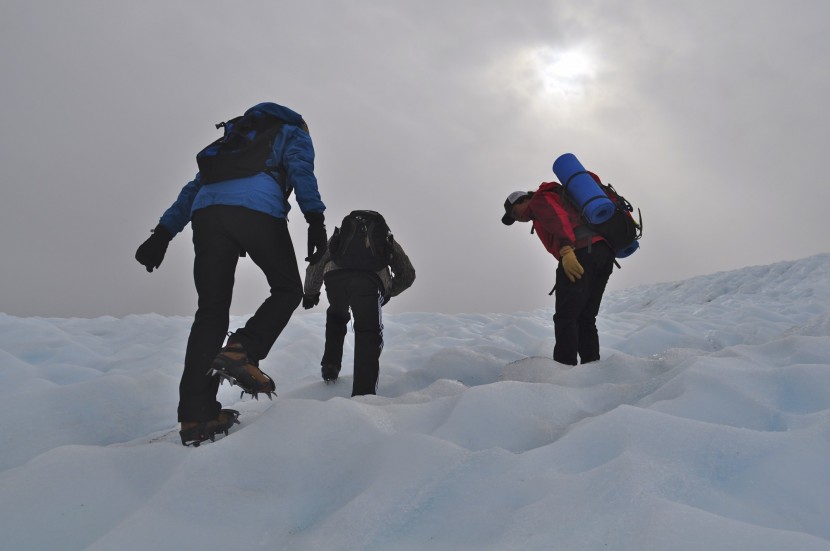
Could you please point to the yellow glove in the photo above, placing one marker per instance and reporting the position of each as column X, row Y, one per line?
column 573, row 269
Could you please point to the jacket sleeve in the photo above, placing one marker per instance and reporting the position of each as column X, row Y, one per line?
column 314, row 274
column 403, row 273
column 177, row 216
column 550, row 214
column 298, row 160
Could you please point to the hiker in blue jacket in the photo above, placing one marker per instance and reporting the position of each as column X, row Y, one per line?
column 231, row 218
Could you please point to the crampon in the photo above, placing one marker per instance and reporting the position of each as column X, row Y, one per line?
column 330, row 372
column 233, row 365
column 193, row 434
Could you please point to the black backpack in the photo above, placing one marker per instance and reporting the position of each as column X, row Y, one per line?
column 362, row 242
column 621, row 230
column 243, row 150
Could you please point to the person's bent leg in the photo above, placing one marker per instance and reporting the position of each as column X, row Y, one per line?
column 267, row 241
column 337, row 321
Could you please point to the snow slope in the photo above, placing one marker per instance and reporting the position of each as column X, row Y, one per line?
column 706, row 425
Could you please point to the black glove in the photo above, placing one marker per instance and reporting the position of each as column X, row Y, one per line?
column 317, row 237
column 310, row 301
column 151, row 252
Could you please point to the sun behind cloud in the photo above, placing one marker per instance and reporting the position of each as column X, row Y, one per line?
column 547, row 74
column 563, row 74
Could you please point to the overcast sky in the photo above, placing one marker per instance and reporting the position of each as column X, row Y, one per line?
column 711, row 117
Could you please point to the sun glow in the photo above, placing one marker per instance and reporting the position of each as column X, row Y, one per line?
column 562, row 74
column 549, row 76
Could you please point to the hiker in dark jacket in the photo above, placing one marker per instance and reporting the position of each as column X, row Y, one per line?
column 585, row 264
column 364, row 292
column 231, row 218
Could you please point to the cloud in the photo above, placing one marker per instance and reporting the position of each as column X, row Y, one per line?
column 709, row 118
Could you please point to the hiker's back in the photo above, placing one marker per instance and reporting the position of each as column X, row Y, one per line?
column 362, row 242
column 603, row 209
column 262, row 156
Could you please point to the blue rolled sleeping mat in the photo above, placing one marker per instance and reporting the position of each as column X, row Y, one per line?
column 589, row 198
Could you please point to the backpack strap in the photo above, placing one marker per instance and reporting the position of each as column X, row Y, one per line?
column 572, row 176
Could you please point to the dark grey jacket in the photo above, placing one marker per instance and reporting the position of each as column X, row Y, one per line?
column 395, row 278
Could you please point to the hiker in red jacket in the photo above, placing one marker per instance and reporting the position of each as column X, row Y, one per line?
column 585, row 264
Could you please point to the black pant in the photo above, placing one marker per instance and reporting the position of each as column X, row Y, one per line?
column 359, row 291
column 577, row 305
column 220, row 234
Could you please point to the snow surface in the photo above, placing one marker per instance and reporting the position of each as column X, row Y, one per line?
column 705, row 426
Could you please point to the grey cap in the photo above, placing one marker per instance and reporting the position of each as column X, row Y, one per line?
column 511, row 200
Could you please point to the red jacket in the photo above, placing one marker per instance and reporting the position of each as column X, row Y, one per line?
column 557, row 222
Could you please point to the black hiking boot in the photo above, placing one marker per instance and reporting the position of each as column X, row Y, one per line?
column 233, row 364
column 194, row 433
column 330, row 372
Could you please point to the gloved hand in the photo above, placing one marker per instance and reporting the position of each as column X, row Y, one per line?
column 317, row 238
column 573, row 269
column 310, row 301
column 151, row 252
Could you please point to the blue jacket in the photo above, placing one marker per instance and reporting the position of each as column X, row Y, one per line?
column 260, row 192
